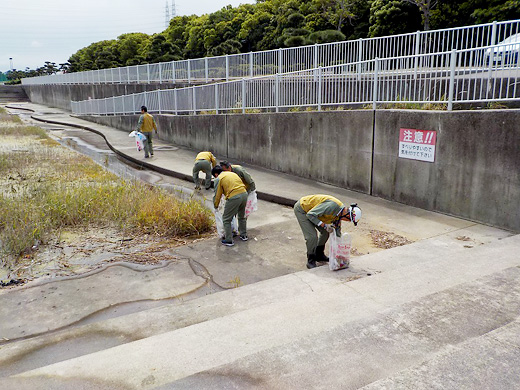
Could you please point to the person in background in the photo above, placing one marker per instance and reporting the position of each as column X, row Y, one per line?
column 204, row 161
column 146, row 125
column 231, row 186
column 242, row 173
column 322, row 214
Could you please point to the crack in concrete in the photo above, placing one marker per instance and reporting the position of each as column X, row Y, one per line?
column 303, row 281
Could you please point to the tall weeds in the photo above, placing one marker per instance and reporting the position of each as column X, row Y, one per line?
column 44, row 187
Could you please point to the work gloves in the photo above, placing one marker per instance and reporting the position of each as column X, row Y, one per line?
column 329, row 227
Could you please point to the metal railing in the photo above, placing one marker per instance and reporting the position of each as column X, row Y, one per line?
column 237, row 66
column 456, row 76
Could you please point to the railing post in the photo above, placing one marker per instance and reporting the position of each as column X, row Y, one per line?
column 417, row 51
column 148, row 72
column 159, row 99
column 120, row 78
column 491, row 59
column 128, row 74
column 137, row 73
column 227, row 67
column 114, row 104
column 133, row 103
column 175, row 101
column 250, row 64
column 375, row 89
column 146, row 99
column 216, row 98
column 160, row 72
column 189, row 71
column 206, row 70
column 453, row 61
column 124, row 108
column 280, row 64
column 493, row 34
column 315, row 61
column 320, row 78
column 194, row 102
column 277, row 92
column 243, row 96
column 360, row 57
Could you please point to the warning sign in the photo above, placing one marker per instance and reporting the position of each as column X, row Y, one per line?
column 417, row 144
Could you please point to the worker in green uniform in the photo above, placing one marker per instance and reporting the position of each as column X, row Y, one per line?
column 204, row 161
column 231, row 186
column 323, row 214
column 242, row 173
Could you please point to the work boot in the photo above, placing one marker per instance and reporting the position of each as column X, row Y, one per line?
column 311, row 260
column 320, row 254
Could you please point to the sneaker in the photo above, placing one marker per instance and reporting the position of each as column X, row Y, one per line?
column 243, row 237
column 235, row 233
column 146, row 156
column 197, row 187
column 227, row 243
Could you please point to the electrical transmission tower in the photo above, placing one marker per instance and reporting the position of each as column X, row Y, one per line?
column 169, row 13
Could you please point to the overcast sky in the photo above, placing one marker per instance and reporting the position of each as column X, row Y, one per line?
column 35, row 31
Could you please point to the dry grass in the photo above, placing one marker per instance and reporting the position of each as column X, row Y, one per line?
column 44, row 187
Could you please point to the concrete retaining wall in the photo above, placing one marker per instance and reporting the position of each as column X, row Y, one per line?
column 476, row 173
column 60, row 96
column 311, row 145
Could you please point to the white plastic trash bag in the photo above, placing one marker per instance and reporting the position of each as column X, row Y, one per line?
column 139, row 139
column 219, row 222
column 339, row 251
column 234, row 225
column 252, row 203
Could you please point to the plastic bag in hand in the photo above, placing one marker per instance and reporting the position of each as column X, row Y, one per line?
column 252, row 203
column 339, row 251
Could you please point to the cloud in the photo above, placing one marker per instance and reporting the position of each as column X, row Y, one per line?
column 36, row 44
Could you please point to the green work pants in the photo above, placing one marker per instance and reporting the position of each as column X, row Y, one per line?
column 148, row 144
column 310, row 230
column 235, row 205
column 205, row 166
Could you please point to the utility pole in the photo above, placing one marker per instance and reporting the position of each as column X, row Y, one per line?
column 11, row 63
column 174, row 9
column 166, row 15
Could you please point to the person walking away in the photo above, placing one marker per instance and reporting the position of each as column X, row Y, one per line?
column 242, row 173
column 231, row 186
column 146, row 125
column 322, row 214
column 204, row 162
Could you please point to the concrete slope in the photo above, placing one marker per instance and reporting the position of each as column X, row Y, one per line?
column 488, row 362
column 51, row 332
column 271, row 345
column 12, row 93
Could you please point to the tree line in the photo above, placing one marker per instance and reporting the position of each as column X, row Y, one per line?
column 272, row 24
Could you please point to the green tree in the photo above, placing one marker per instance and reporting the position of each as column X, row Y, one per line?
column 393, row 17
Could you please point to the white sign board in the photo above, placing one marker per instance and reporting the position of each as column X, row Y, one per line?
column 417, row 144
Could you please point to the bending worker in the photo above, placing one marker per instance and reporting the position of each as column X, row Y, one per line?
column 146, row 125
column 322, row 213
column 204, row 161
column 230, row 185
column 242, row 173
